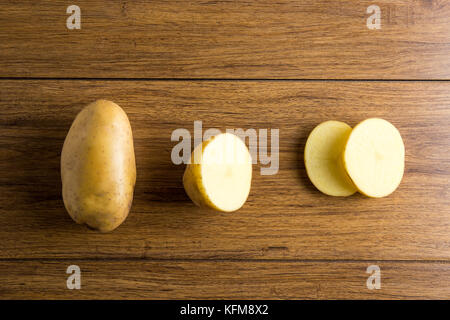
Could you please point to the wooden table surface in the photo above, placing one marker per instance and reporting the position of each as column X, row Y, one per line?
column 283, row 64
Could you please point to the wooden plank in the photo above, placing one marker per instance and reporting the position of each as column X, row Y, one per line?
column 226, row 39
column 223, row 280
column 285, row 216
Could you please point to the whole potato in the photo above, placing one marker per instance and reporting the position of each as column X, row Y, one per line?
column 98, row 168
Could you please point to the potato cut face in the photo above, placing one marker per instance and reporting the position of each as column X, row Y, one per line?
column 374, row 157
column 323, row 158
column 226, row 172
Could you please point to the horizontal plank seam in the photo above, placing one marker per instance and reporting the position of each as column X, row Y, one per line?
column 220, row 79
column 118, row 259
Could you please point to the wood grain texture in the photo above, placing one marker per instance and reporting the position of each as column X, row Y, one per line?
column 289, row 241
column 285, row 216
column 140, row 279
column 226, row 39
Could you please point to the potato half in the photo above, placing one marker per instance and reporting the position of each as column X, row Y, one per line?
column 98, row 169
column 374, row 157
column 220, row 173
column 323, row 158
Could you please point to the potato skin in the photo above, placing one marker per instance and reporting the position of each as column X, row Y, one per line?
column 192, row 180
column 98, row 169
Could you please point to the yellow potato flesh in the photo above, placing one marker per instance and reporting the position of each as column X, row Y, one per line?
column 323, row 158
column 98, row 168
column 219, row 175
column 374, row 157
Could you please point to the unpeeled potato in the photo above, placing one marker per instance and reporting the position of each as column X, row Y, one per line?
column 98, row 169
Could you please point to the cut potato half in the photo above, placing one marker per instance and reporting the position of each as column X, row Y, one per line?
column 220, row 173
column 374, row 157
column 323, row 158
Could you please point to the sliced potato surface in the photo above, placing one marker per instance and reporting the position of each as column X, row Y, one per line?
column 220, row 173
column 374, row 157
column 323, row 158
